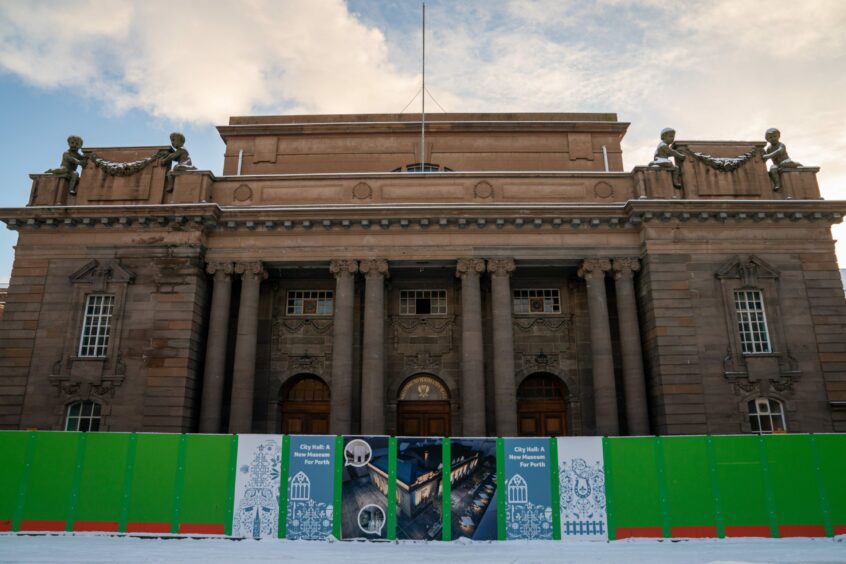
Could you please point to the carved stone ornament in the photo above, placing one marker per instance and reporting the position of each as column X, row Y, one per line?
column 374, row 267
column 423, row 362
column 750, row 270
column 501, row 266
column 99, row 275
column 251, row 269
column 471, row 266
column 603, row 190
column 724, row 164
column 539, row 362
column 483, row 190
column 593, row 267
column 226, row 268
column 340, row 267
column 242, row 193
column 423, row 388
column 362, row 191
column 625, row 266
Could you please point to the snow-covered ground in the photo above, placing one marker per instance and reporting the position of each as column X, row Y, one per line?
column 94, row 548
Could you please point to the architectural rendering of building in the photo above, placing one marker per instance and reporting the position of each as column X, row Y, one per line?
column 501, row 275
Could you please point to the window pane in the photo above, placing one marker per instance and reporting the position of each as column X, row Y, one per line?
column 537, row 301
column 423, row 302
column 751, row 322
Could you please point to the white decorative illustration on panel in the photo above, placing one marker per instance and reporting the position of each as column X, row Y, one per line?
column 257, row 486
column 527, row 520
column 581, row 480
column 518, row 491
column 300, row 487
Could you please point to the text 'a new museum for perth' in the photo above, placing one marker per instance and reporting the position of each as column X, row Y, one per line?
column 503, row 275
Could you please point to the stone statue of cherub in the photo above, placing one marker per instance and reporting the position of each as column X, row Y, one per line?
column 663, row 153
column 71, row 159
column 178, row 154
column 777, row 151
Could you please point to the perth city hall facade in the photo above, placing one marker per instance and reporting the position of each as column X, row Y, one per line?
column 514, row 280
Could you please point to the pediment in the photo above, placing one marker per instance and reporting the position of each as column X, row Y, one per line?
column 750, row 269
column 98, row 274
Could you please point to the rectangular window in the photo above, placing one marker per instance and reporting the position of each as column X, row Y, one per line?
column 423, row 302
column 94, row 341
column 310, row 302
column 537, row 301
column 752, row 322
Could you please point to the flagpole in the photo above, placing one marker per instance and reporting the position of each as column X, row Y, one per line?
column 423, row 99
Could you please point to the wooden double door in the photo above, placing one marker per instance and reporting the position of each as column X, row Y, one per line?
column 423, row 419
column 541, row 418
column 305, row 406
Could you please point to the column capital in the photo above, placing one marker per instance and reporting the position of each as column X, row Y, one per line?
column 625, row 267
column 251, row 270
column 343, row 267
column 226, row 268
column 374, row 267
column 466, row 266
column 592, row 267
column 501, row 266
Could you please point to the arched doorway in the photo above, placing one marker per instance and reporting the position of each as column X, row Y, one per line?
column 305, row 406
column 423, row 408
column 542, row 406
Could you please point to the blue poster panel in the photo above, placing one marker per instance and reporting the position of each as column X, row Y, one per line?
column 419, row 488
column 310, row 487
column 528, row 501
column 473, row 495
column 364, row 488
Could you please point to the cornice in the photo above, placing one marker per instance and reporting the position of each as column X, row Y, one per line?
column 631, row 214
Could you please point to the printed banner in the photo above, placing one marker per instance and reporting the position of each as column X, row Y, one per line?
column 473, row 494
column 311, row 472
column 528, row 507
column 364, row 488
column 581, row 478
column 256, row 505
column 419, row 488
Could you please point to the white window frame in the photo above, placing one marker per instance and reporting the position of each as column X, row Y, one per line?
column 96, row 326
column 89, row 415
column 524, row 299
column 437, row 301
column 299, row 303
column 751, row 319
column 765, row 418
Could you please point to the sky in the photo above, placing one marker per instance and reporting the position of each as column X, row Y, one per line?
column 123, row 73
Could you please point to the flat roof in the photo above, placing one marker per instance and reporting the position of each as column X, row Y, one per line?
column 415, row 117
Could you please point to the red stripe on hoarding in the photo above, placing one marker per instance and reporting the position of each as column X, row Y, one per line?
column 702, row 532
column 5, row 525
column 748, row 531
column 202, row 529
column 801, row 531
column 639, row 532
column 43, row 525
column 840, row 529
column 140, row 527
column 96, row 526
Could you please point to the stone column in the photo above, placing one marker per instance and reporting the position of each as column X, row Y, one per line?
column 244, row 374
column 216, row 347
column 604, row 389
column 503, row 347
column 342, row 346
column 472, row 353
column 637, row 418
column 373, row 352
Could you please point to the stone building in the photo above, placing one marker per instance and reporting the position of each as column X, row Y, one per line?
column 515, row 280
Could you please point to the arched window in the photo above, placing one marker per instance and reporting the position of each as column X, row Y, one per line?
column 422, row 167
column 83, row 416
column 766, row 416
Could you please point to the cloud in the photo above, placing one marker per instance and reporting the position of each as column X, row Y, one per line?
column 199, row 61
column 718, row 70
